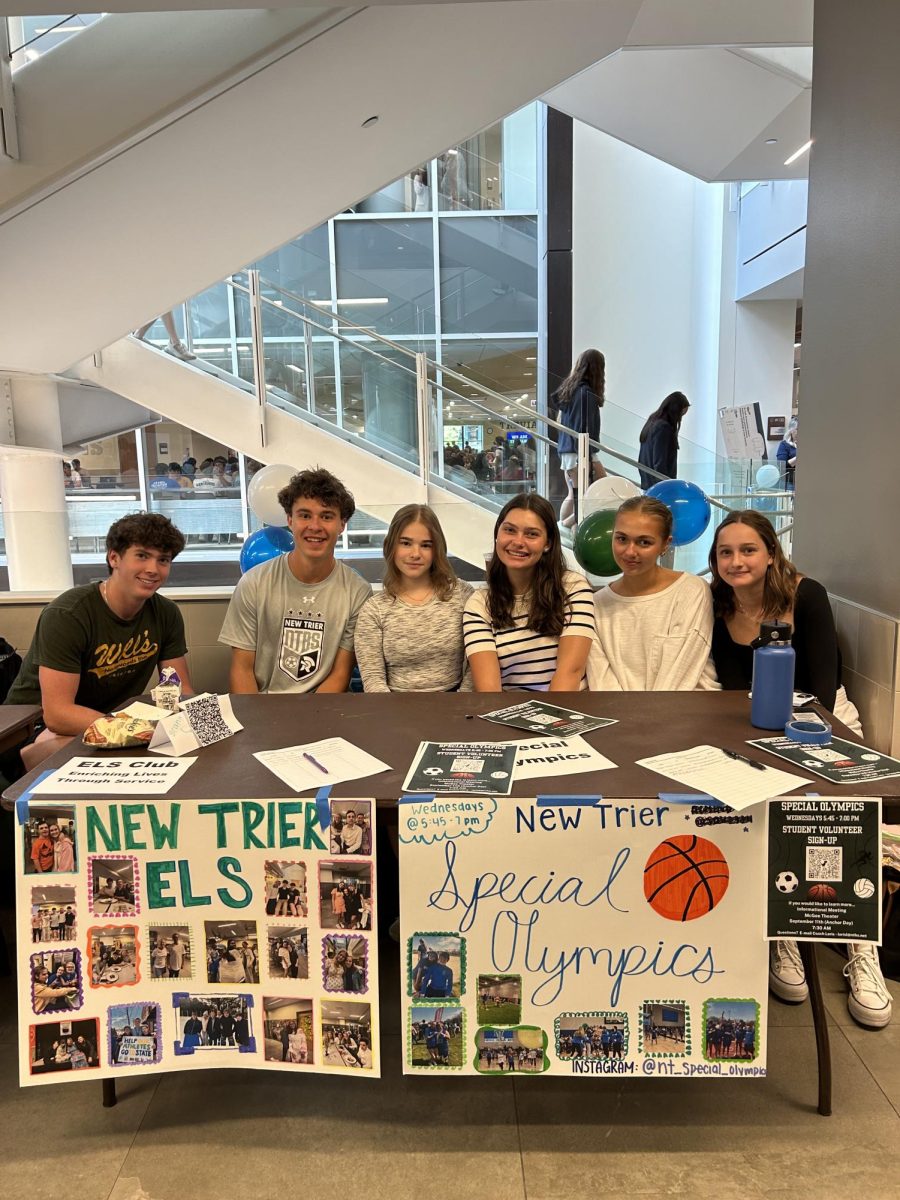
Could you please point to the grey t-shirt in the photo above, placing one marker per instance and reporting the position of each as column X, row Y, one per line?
column 295, row 629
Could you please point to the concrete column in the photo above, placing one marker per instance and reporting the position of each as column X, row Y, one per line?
column 36, row 525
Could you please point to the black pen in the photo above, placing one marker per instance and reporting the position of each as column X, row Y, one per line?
column 740, row 758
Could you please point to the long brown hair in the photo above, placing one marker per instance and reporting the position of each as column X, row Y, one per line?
column 782, row 576
column 589, row 368
column 443, row 578
column 549, row 603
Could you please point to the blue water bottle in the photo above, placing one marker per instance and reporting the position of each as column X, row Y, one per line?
column 773, row 676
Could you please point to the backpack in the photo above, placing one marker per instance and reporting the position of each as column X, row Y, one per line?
column 10, row 665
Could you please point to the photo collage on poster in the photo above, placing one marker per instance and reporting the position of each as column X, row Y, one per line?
column 147, row 949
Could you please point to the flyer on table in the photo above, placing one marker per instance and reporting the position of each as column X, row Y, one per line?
column 824, row 869
column 164, row 935
column 597, row 938
column 537, row 716
column 839, row 761
column 472, row 768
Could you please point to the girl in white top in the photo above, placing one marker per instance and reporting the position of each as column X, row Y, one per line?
column 532, row 627
column 409, row 636
column 654, row 625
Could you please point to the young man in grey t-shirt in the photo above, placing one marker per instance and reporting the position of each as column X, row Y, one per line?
column 291, row 620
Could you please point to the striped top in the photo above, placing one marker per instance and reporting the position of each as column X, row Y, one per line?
column 527, row 659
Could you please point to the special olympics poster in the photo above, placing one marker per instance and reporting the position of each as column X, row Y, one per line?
column 582, row 938
column 194, row 934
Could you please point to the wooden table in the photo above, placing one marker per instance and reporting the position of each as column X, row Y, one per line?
column 391, row 727
column 17, row 723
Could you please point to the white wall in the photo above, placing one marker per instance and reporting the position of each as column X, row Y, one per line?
column 647, row 242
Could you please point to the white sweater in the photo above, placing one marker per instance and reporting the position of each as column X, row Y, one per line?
column 655, row 643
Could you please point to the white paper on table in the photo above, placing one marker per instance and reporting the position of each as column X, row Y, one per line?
column 203, row 721
column 557, row 756
column 710, row 770
column 341, row 761
column 146, row 712
column 122, row 775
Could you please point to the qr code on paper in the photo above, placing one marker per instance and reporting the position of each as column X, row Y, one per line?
column 206, row 720
column 824, row 864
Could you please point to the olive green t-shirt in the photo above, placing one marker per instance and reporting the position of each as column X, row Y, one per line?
column 114, row 658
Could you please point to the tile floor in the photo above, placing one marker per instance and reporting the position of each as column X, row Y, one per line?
column 238, row 1136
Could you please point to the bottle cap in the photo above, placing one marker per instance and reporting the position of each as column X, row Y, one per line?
column 773, row 633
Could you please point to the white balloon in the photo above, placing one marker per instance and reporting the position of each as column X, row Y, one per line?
column 263, row 489
column 767, row 476
column 609, row 492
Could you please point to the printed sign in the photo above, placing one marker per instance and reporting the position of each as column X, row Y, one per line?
column 536, row 716
column 839, row 761
column 824, row 881
column 583, row 937
column 185, row 935
column 472, row 768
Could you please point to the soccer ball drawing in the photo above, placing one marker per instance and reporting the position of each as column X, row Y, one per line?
column 787, row 882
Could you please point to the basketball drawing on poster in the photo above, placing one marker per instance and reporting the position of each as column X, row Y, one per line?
column 584, row 939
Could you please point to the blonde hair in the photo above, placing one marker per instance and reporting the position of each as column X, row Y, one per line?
column 443, row 577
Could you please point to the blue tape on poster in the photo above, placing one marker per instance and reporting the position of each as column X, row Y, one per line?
column 691, row 798
column 322, row 806
column 22, row 802
column 810, row 733
column 568, row 801
column 417, row 798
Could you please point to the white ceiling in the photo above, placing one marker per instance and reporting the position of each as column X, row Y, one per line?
column 708, row 110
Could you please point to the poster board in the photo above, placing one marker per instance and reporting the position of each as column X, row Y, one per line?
column 582, row 936
column 742, row 432
column 164, row 935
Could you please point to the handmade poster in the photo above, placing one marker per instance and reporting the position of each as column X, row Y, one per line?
column 470, row 768
column 582, row 936
column 164, row 935
column 536, row 716
column 839, row 761
column 824, row 879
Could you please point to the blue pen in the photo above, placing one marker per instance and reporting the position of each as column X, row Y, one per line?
column 315, row 763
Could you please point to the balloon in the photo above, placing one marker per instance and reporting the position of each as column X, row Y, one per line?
column 265, row 544
column 593, row 543
column 263, row 489
column 609, row 493
column 691, row 510
column 768, row 475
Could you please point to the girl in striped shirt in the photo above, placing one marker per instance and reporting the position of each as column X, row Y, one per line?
column 532, row 626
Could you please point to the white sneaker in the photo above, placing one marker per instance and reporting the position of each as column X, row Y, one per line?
column 787, row 978
column 180, row 350
column 869, row 1001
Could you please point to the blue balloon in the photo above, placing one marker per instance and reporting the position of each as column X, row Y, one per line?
column 691, row 510
column 767, row 476
column 265, row 544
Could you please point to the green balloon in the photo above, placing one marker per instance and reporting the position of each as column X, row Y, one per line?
column 593, row 543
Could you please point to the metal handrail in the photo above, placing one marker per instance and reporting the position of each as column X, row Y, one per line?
column 37, row 37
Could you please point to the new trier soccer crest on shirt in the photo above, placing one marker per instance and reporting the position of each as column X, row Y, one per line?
column 302, row 638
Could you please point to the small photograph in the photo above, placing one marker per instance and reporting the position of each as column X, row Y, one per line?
column 436, row 965
column 48, row 837
column 56, row 981
column 346, row 1034
column 500, row 1051
column 63, row 1046
column 286, row 889
column 53, row 914
column 345, row 963
column 213, row 1022
column 345, row 894
column 499, row 999
column 351, row 827
column 664, row 1027
column 436, row 1037
column 592, row 1035
column 288, row 952
column 729, row 1030
column 113, row 885
column 113, row 955
column 170, row 952
column 134, row 1034
column 232, row 952
column 289, row 1030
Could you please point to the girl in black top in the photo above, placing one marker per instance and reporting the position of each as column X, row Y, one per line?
column 659, row 439
column 579, row 399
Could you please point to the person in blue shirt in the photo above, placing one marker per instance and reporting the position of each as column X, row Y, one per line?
column 431, row 1042
column 437, row 978
column 443, row 1046
column 605, row 1042
column 578, row 1043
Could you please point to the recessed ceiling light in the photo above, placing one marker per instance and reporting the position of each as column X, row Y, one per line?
column 797, row 153
column 771, row 141
column 370, row 121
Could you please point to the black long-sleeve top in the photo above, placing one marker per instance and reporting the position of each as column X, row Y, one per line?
column 659, row 451
column 814, row 639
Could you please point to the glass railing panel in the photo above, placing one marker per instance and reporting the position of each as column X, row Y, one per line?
column 31, row 37
column 378, row 398
column 385, row 275
column 496, row 168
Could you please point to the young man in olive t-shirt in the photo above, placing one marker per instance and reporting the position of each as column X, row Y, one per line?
column 95, row 646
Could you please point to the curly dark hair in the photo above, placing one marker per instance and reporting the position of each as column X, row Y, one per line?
column 143, row 529
column 320, row 485
column 550, row 604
